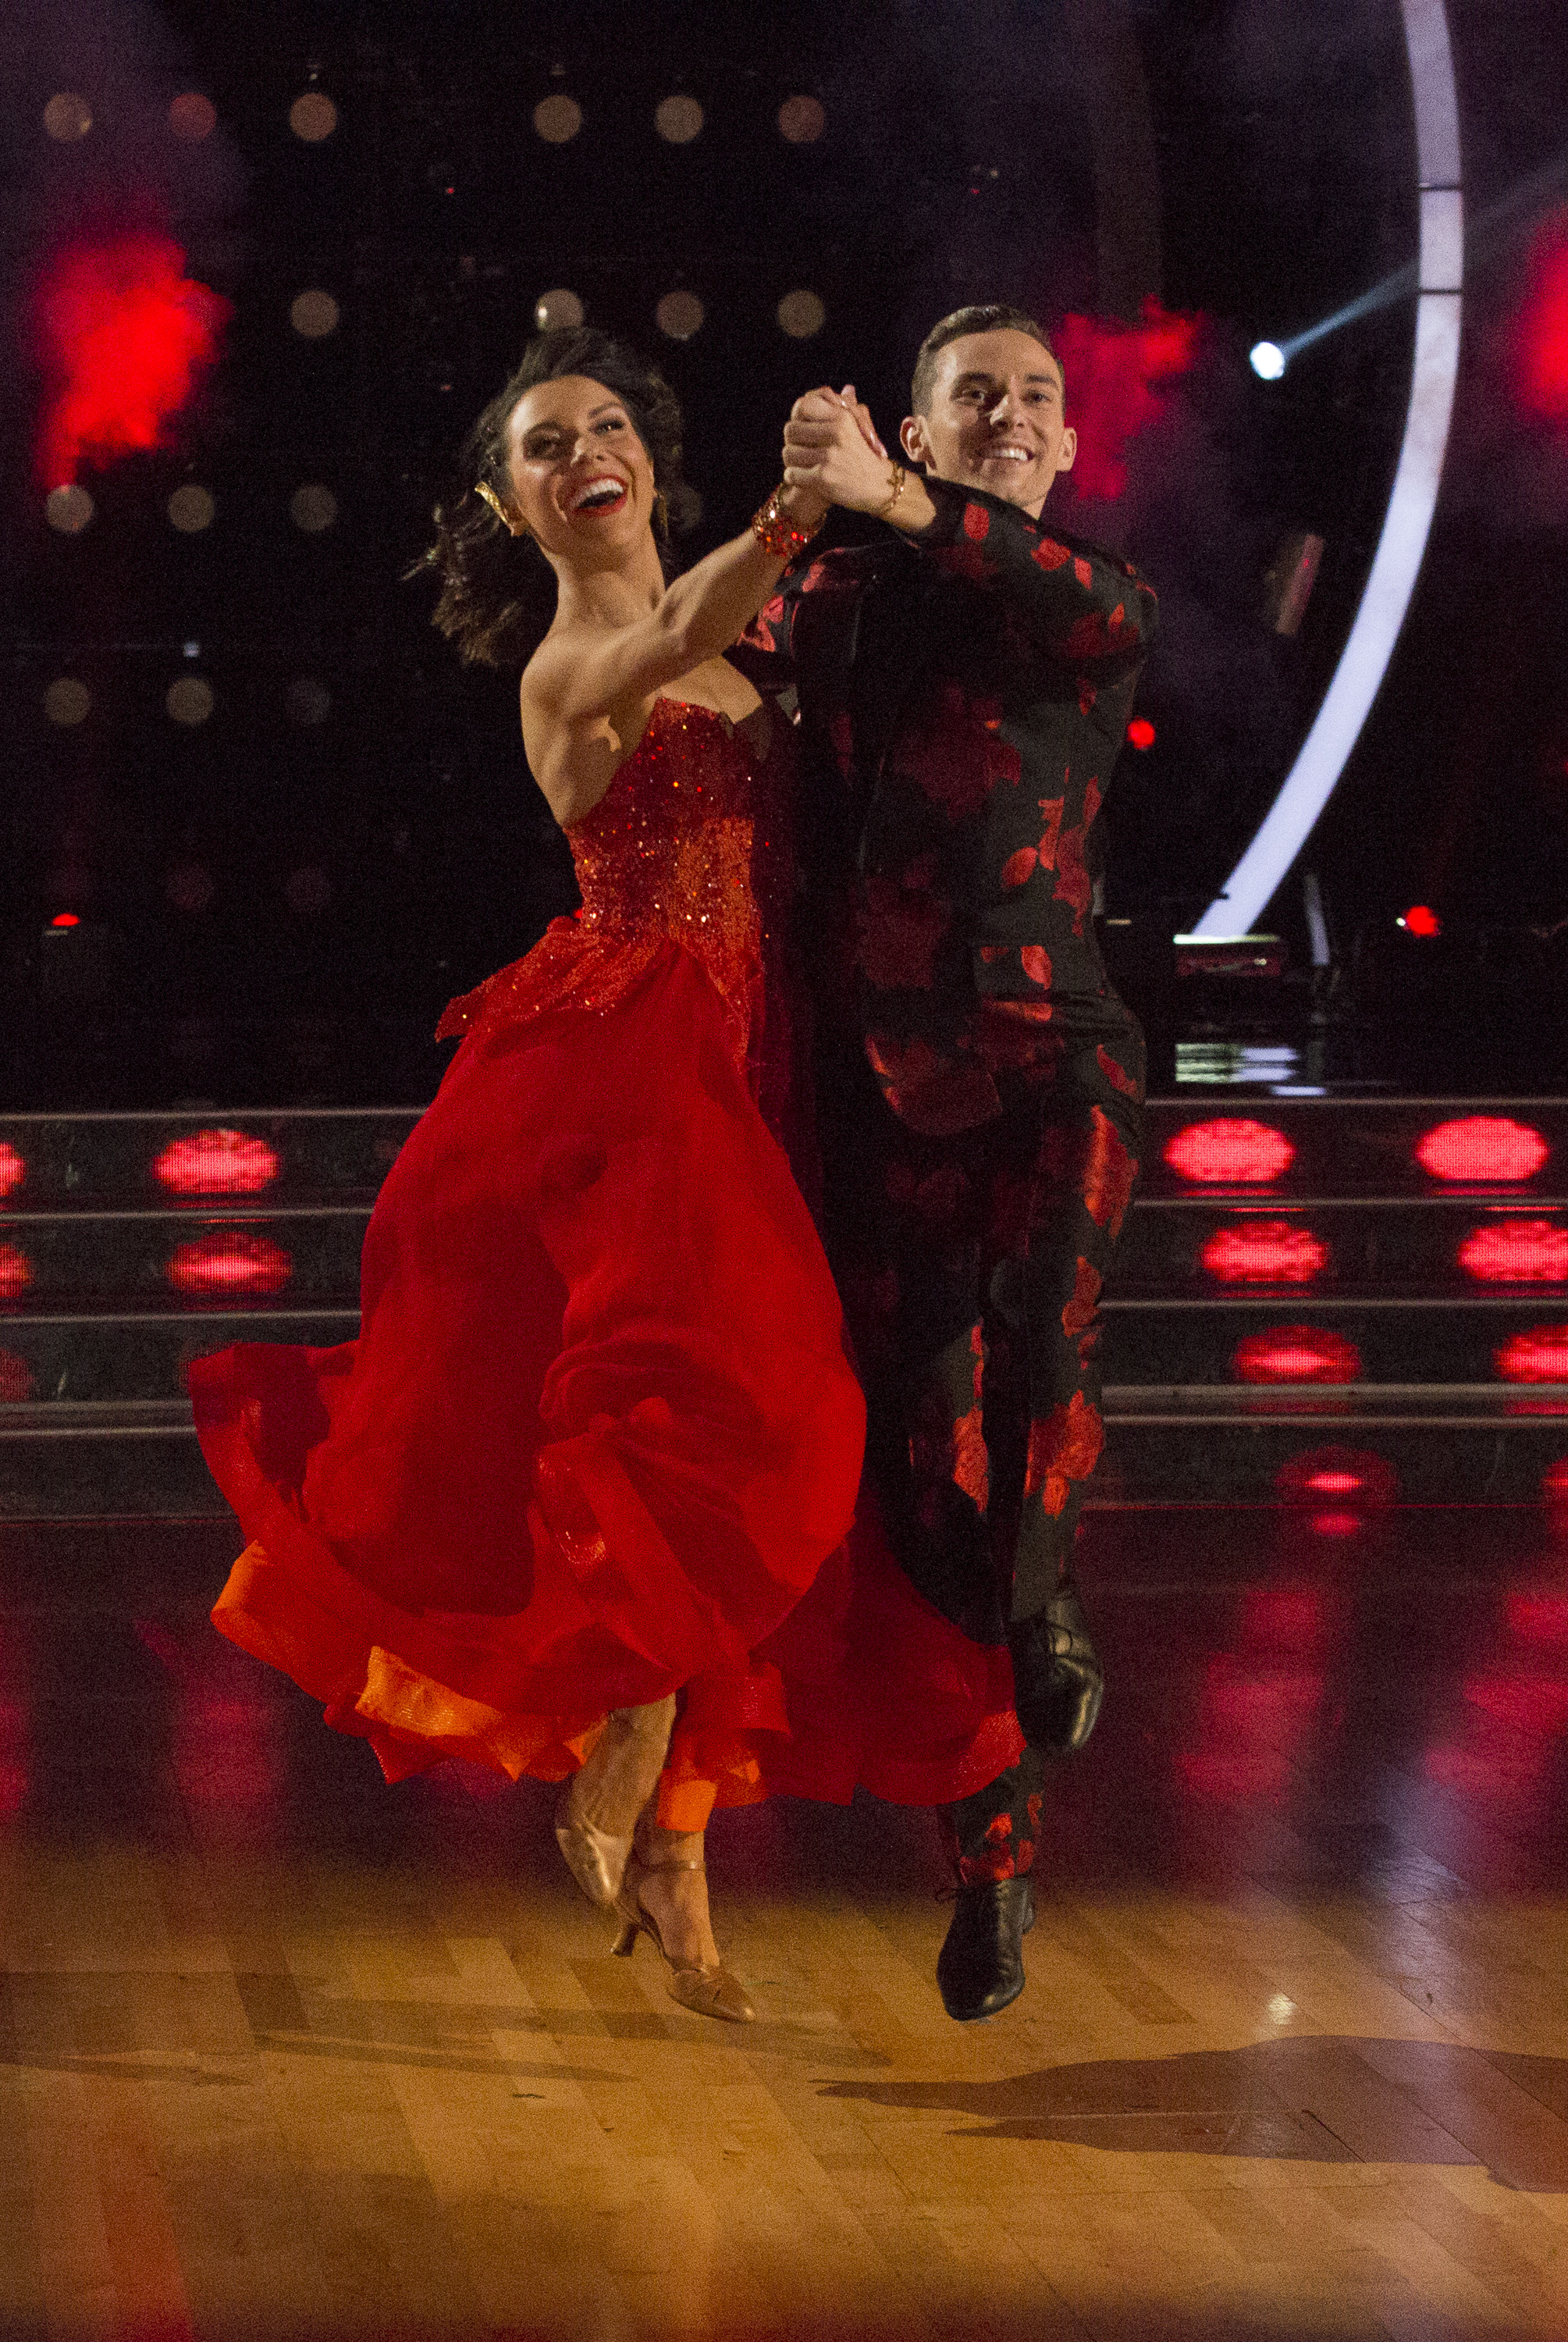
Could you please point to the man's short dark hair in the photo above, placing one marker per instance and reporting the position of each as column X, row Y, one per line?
column 980, row 317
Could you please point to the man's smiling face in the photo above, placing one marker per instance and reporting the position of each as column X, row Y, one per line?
column 996, row 419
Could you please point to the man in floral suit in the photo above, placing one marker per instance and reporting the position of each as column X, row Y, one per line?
column 964, row 683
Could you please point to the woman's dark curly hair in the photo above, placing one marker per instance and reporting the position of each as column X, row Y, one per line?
column 498, row 591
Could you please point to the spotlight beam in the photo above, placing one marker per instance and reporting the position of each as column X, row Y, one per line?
column 1483, row 235
column 1245, row 894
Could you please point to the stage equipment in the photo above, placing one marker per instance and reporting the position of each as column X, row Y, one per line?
column 1289, row 579
column 1304, row 1308
column 1247, row 891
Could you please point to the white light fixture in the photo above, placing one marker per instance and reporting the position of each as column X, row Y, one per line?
column 1267, row 360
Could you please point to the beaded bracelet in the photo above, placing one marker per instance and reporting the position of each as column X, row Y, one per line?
column 777, row 533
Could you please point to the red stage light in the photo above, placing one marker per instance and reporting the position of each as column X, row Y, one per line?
column 1342, row 1476
column 64, row 919
column 1539, row 1355
column 229, row 1261
column 1542, row 347
column 125, row 335
column 1421, row 919
column 1296, row 1353
column 1482, row 1149
column 1516, row 1252
column 1141, row 732
column 1264, row 1252
column 16, row 1377
column 218, row 1163
column 15, row 1272
column 13, row 1169
column 1528, row 1703
column 1119, row 374
column 1234, row 1150
column 1283, row 1618
column 1538, row 1617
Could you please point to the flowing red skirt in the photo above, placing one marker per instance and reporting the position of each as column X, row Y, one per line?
column 597, row 1441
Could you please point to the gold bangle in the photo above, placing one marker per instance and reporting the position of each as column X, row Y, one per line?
column 777, row 533
column 899, row 476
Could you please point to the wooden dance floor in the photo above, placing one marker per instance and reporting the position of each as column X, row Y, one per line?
column 286, row 2052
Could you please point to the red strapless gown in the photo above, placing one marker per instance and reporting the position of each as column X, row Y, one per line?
column 598, row 1439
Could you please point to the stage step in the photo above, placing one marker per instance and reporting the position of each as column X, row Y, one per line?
column 1379, row 1283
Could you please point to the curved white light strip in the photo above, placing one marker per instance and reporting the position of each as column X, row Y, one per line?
column 1369, row 647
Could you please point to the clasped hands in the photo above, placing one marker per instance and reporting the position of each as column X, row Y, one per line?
column 831, row 451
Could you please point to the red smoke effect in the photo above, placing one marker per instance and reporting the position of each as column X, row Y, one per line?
column 1543, row 326
column 126, row 338
column 1116, row 378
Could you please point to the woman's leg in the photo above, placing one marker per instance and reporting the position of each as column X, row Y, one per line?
column 665, row 1896
column 599, row 1811
column 672, row 1885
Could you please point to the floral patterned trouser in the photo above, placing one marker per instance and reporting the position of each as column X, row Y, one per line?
column 971, row 1266
column 995, row 1833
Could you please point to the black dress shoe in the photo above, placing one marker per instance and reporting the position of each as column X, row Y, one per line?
column 980, row 1967
column 1057, row 1679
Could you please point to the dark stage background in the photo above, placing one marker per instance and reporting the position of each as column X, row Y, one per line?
column 271, row 903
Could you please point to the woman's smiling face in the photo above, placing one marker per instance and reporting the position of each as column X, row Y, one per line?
column 582, row 479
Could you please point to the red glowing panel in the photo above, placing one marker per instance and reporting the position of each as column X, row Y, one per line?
column 1517, row 1252
column 15, row 1272
column 1345, row 1476
column 64, row 919
column 1234, row 1150
column 1281, row 1618
column 13, row 1169
column 1141, row 732
column 1266, row 1252
column 1539, row 1355
column 216, row 1163
column 16, row 1377
column 1421, row 919
column 1296, row 1353
column 125, row 337
column 1542, row 347
column 1121, row 377
column 229, row 1262
column 1479, row 1148
column 1531, row 1704
column 1538, row 1617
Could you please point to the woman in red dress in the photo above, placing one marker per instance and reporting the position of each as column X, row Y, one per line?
column 557, row 1509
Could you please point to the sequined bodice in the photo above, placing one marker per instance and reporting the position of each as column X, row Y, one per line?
column 680, row 845
column 686, row 846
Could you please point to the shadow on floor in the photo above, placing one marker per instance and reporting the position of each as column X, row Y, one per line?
column 1316, row 2098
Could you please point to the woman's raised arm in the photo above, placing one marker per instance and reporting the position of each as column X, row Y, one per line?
column 578, row 682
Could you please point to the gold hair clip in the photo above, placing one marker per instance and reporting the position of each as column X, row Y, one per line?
column 513, row 528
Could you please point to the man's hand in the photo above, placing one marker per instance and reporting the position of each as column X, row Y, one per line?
column 831, row 445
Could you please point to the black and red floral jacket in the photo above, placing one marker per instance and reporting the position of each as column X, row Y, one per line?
column 963, row 697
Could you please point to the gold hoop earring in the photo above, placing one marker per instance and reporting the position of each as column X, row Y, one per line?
column 513, row 528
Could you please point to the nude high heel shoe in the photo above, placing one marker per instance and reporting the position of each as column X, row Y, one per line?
column 710, row 1991
column 599, row 1808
